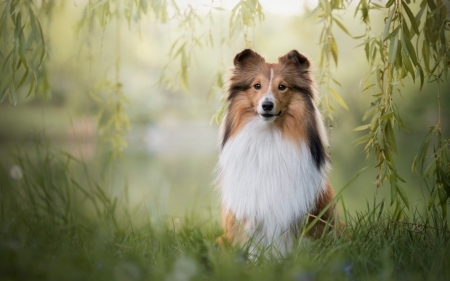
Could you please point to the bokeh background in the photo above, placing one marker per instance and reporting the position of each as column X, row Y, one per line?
column 168, row 166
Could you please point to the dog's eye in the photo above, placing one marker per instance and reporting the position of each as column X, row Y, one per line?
column 257, row 86
column 281, row 87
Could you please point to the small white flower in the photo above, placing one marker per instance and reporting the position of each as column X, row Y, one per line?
column 16, row 172
column 184, row 269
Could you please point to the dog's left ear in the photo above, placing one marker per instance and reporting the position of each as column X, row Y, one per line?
column 296, row 58
column 247, row 57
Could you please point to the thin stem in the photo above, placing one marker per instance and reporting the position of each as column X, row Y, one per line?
column 439, row 77
column 117, row 72
column 89, row 45
column 439, row 102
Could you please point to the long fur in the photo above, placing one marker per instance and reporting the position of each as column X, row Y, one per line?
column 273, row 164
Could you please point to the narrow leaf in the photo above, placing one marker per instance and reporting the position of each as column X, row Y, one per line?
column 388, row 22
column 362, row 128
column 342, row 27
column 387, row 116
column 338, row 98
column 403, row 195
column 411, row 18
column 393, row 49
column 392, row 33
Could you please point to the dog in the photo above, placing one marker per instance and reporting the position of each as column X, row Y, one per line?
column 272, row 171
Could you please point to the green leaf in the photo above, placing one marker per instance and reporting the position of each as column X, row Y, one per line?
column 367, row 50
column 388, row 155
column 421, row 75
column 369, row 143
column 398, row 118
column 362, row 128
column 445, row 180
column 406, row 41
column 22, row 50
column 389, row 3
column 341, row 26
column 390, row 136
column 420, row 13
column 337, row 82
column 368, row 87
column 4, row 85
column 407, row 63
column 393, row 49
column 180, row 50
column 411, row 18
column 174, row 44
column 363, row 139
column 430, row 170
column 31, row 88
column 338, row 98
column 6, row 60
column 442, row 196
column 370, row 111
column 403, row 195
column 432, row 199
column 387, row 116
column 96, row 5
column 392, row 33
column 41, row 34
column 384, row 171
column 393, row 190
column 432, row 5
column 388, row 23
column 334, row 50
column 25, row 75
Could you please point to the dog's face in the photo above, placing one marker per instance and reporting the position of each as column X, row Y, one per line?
column 269, row 89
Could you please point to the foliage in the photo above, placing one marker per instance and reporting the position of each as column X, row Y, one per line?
column 23, row 48
column 190, row 38
column 113, row 122
column 437, row 170
column 329, row 54
column 244, row 16
column 58, row 220
column 393, row 58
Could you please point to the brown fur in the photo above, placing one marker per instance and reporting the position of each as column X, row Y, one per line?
column 328, row 219
column 232, row 230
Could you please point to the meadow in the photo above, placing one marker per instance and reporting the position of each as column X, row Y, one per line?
column 59, row 220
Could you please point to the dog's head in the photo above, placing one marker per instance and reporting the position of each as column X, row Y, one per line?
column 269, row 89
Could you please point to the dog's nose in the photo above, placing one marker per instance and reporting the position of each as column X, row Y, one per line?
column 267, row 105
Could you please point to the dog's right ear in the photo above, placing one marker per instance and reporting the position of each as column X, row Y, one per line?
column 246, row 56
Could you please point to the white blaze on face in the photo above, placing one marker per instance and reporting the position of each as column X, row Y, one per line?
column 268, row 96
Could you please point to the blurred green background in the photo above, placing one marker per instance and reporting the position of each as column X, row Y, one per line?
column 168, row 166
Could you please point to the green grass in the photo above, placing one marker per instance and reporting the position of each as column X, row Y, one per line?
column 60, row 221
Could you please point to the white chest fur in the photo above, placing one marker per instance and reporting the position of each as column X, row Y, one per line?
column 268, row 183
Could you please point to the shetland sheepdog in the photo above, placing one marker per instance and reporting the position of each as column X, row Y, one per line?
column 273, row 165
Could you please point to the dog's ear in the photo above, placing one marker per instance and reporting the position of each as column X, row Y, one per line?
column 296, row 58
column 245, row 57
